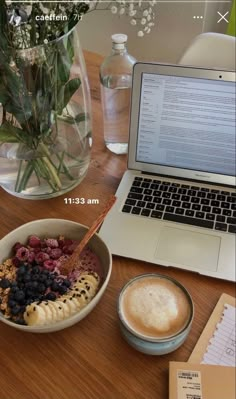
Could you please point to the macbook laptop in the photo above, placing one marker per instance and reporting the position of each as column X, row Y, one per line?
column 176, row 203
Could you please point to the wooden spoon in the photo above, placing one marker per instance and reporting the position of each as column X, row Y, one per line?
column 73, row 261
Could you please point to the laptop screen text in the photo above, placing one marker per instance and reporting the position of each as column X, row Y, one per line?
column 187, row 123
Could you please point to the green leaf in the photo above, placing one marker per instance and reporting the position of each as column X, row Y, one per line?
column 9, row 133
column 74, row 119
column 69, row 90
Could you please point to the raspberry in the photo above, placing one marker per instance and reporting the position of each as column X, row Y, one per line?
column 34, row 242
column 31, row 257
column 51, row 242
column 17, row 246
column 16, row 262
column 22, row 253
column 49, row 264
column 40, row 257
column 55, row 253
column 68, row 249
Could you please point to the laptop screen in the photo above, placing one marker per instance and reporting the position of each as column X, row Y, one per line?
column 187, row 123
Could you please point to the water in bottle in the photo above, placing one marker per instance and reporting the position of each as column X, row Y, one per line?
column 116, row 81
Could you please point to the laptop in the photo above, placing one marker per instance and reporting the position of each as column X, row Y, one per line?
column 176, row 203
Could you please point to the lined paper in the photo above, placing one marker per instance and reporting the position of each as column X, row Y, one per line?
column 222, row 346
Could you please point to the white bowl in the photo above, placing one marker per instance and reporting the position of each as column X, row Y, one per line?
column 54, row 228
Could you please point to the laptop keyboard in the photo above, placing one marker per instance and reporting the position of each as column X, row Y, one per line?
column 182, row 203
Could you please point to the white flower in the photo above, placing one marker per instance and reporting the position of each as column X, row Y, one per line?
column 133, row 22
column 149, row 17
column 122, row 11
column 145, row 13
column 114, row 9
column 140, row 33
column 132, row 13
column 45, row 41
column 143, row 21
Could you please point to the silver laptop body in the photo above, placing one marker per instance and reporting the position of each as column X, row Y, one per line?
column 182, row 141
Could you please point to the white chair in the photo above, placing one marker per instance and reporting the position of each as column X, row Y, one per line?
column 211, row 50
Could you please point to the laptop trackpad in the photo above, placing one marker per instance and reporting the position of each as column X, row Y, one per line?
column 187, row 248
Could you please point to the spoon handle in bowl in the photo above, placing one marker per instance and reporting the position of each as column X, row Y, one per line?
column 72, row 262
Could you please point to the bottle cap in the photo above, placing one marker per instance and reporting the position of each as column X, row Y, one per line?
column 119, row 40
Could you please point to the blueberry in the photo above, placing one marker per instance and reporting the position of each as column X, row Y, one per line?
column 62, row 290
column 21, row 271
column 34, row 285
column 35, row 270
column 35, row 277
column 67, row 283
column 42, row 278
column 41, row 288
column 19, row 296
column 45, row 272
column 5, row 283
column 14, row 289
column 55, row 286
column 48, row 282
column 16, row 310
column 51, row 296
column 29, row 293
column 27, row 277
column 11, row 303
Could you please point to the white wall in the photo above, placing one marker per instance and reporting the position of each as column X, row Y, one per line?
column 174, row 29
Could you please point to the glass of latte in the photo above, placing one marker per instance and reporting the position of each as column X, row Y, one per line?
column 155, row 313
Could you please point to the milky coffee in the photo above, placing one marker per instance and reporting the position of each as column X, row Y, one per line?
column 155, row 307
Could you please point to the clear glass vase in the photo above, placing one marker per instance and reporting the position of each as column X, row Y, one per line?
column 45, row 119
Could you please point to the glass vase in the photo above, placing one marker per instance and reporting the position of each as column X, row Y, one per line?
column 45, row 119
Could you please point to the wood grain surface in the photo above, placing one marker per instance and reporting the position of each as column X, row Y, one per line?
column 91, row 360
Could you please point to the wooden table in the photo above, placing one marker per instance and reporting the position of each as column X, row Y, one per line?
column 91, row 360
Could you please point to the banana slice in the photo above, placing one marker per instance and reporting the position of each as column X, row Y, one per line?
column 60, row 309
column 72, row 303
column 47, row 310
column 52, row 310
column 35, row 315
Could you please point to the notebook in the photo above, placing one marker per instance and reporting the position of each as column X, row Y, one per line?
column 216, row 345
column 177, row 201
